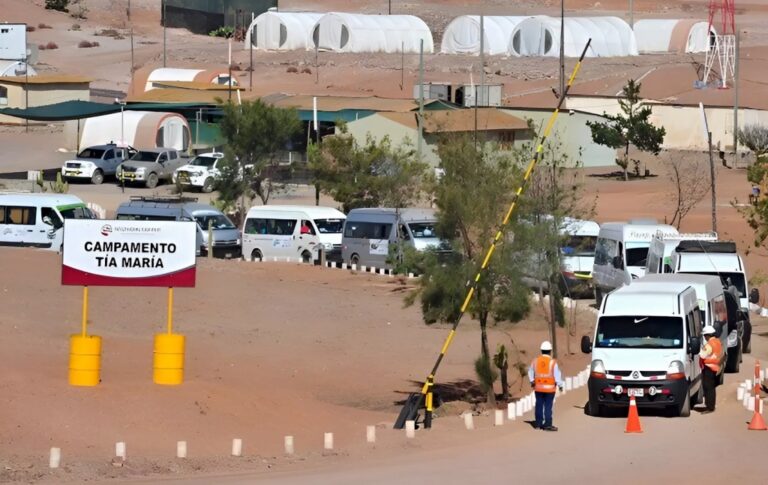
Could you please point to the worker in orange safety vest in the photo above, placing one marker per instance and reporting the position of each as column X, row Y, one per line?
column 545, row 378
column 711, row 357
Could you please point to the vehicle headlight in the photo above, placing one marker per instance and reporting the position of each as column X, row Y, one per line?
column 676, row 370
column 327, row 246
column 597, row 368
column 140, row 170
column 733, row 337
column 239, row 242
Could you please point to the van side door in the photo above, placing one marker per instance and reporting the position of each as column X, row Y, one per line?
column 693, row 329
column 307, row 237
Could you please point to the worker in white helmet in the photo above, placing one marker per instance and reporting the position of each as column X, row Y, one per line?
column 545, row 378
column 711, row 356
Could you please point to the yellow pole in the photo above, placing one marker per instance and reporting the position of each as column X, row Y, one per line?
column 170, row 310
column 85, row 311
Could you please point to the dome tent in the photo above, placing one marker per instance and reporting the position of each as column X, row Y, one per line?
column 347, row 32
column 282, row 30
column 669, row 35
column 141, row 129
column 540, row 36
column 462, row 35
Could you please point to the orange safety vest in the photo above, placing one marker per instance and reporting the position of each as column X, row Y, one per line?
column 715, row 354
column 544, row 374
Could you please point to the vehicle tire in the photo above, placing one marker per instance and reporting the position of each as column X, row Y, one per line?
column 98, row 177
column 256, row 255
column 207, row 185
column 594, row 409
column 747, row 344
column 152, row 181
column 355, row 259
column 306, row 257
column 598, row 297
column 733, row 361
column 685, row 407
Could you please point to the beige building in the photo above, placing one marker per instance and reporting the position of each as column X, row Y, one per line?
column 493, row 125
column 22, row 92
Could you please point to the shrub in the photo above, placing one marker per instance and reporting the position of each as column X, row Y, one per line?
column 79, row 10
column 30, row 28
column 60, row 5
column 292, row 69
column 235, row 67
column 306, row 70
column 75, row 27
column 84, row 44
column 41, row 47
column 43, row 26
column 51, row 45
column 225, row 32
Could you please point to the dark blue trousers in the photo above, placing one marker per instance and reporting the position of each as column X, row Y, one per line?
column 544, row 402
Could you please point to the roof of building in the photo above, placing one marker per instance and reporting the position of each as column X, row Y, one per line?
column 179, row 95
column 462, row 120
column 194, row 85
column 46, row 79
column 339, row 103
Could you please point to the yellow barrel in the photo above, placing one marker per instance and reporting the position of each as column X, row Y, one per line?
column 169, row 359
column 84, row 360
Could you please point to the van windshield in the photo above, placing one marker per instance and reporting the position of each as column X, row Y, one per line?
column 77, row 213
column 639, row 332
column 422, row 229
column 217, row 221
column 329, row 226
column 580, row 246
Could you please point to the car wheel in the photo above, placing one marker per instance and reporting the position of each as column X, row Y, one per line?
column 98, row 177
column 355, row 259
column 152, row 181
column 685, row 407
column 306, row 257
column 256, row 255
column 208, row 185
column 594, row 409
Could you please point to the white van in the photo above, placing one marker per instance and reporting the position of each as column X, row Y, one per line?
column 621, row 252
column 663, row 245
column 37, row 220
column 292, row 231
column 646, row 342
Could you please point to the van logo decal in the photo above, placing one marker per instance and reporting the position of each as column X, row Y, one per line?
column 106, row 230
column 635, row 375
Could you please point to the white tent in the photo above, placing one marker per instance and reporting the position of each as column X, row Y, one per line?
column 540, row 36
column 671, row 35
column 282, row 30
column 140, row 129
column 212, row 76
column 347, row 32
column 462, row 35
column 16, row 68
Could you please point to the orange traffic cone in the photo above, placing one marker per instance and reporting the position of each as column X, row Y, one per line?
column 633, row 419
column 757, row 423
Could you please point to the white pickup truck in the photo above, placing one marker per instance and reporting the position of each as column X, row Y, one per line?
column 200, row 173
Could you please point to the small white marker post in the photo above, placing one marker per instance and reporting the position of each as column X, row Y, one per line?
column 288, row 445
column 237, row 447
column 511, row 414
column 519, row 408
column 746, row 398
column 363, row 269
column 469, row 421
column 181, row 449
column 328, row 441
column 569, row 383
column 750, row 405
column 354, row 267
column 740, row 393
column 410, row 429
column 411, row 275
column 498, row 417
column 55, row 458
column 370, row 434
column 120, row 449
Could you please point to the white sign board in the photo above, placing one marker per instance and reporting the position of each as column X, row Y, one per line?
column 13, row 42
column 129, row 253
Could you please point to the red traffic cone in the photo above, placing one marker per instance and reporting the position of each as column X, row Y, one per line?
column 633, row 419
column 757, row 423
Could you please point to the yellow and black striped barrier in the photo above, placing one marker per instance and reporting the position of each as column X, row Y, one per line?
column 426, row 397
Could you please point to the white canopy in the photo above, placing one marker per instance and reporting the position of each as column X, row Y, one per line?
column 282, row 30
column 140, row 129
column 347, row 32
column 540, row 36
column 462, row 35
column 672, row 35
column 15, row 68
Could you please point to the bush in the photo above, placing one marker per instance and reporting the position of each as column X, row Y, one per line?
column 41, row 47
column 235, row 67
column 292, row 69
column 60, row 5
column 79, row 10
column 51, row 45
column 225, row 32
column 84, row 44
column 43, row 26
column 75, row 27
column 306, row 70
column 30, row 28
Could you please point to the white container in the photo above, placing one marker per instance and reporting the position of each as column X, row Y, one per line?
column 511, row 414
column 370, row 434
column 498, row 417
column 55, row 459
column 328, row 441
column 410, row 429
column 469, row 421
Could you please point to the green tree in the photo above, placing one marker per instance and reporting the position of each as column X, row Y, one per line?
column 375, row 174
column 754, row 137
column 630, row 127
column 254, row 132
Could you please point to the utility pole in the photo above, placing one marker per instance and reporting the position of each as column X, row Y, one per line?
column 482, row 72
column 390, row 7
column 165, row 21
column 420, row 118
column 736, row 104
column 562, row 48
column 250, row 47
column 712, row 175
column 632, row 14
column 130, row 26
column 26, row 91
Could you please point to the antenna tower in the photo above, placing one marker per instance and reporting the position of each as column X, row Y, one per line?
column 722, row 42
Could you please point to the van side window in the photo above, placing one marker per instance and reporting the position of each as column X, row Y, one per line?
column 605, row 251
column 54, row 217
column 20, row 215
column 276, row 227
column 307, row 228
column 367, row 230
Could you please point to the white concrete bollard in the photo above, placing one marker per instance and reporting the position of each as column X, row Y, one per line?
column 469, row 421
column 120, row 449
column 498, row 417
column 363, row 269
column 511, row 414
column 740, row 393
column 55, row 459
column 764, row 312
column 354, row 267
column 745, row 399
column 370, row 434
column 569, row 383
column 237, row 447
column 535, row 297
column 411, row 275
column 410, row 429
column 344, row 266
column 288, row 444
column 181, row 449
column 519, row 408
column 748, row 384
column 750, row 404
column 328, row 441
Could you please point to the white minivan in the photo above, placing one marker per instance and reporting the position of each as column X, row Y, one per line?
column 621, row 253
column 292, row 231
column 646, row 342
column 37, row 220
column 663, row 245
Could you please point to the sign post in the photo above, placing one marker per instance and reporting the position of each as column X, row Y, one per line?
column 128, row 253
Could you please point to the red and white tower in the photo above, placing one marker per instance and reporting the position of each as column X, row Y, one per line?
column 722, row 45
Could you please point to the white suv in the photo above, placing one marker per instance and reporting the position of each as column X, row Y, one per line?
column 201, row 172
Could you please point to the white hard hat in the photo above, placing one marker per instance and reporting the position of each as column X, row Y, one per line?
column 546, row 346
column 709, row 330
